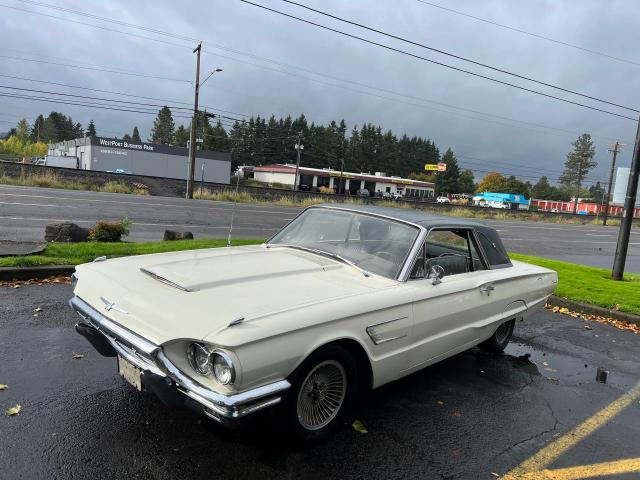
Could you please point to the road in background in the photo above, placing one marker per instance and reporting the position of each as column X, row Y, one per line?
column 24, row 212
column 472, row 416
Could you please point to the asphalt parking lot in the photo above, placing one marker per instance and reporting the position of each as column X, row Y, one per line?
column 474, row 416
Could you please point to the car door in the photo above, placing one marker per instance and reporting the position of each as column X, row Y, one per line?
column 450, row 314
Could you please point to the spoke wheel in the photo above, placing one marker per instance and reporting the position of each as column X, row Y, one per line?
column 321, row 395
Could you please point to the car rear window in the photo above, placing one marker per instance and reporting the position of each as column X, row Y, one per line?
column 494, row 250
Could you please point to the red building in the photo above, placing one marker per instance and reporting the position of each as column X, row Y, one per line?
column 584, row 206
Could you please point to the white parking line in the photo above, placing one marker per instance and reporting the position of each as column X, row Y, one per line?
column 37, row 205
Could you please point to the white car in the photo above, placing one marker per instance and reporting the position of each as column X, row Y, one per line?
column 443, row 200
column 341, row 300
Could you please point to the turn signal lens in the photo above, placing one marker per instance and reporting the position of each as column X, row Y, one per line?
column 223, row 368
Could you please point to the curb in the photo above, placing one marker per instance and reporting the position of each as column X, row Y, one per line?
column 27, row 273
column 593, row 310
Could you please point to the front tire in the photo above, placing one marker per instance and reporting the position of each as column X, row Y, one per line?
column 322, row 393
column 500, row 338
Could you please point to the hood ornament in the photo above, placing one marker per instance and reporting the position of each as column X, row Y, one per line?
column 109, row 305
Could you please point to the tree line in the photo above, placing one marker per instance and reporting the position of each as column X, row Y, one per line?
column 368, row 148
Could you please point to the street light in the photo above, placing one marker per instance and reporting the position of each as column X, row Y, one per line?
column 209, row 76
column 299, row 147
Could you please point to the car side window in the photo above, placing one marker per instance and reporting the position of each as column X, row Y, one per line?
column 454, row 250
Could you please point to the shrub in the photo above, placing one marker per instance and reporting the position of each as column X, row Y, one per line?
column 104, row 231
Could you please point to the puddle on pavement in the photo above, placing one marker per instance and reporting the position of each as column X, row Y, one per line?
column 554, row 366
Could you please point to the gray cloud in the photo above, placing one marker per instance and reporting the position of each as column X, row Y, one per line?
column 528, row 151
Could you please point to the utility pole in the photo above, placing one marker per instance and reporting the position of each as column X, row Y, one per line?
column 192, row 144
column 341, row 189
column 627, row 214
column 615, row 151
column 299, row 147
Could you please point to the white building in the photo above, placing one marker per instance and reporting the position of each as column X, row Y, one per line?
column 353, row 183
column 620, row 187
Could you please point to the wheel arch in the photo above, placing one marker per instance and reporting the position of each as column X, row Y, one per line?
column 359, row 353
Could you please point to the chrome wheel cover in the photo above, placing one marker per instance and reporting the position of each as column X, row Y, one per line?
column 502, row 333
column 321, row 395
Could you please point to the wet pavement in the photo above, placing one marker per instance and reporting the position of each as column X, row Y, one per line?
column 473, row 416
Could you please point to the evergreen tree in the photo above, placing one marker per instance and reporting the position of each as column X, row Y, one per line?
column 135, row 136
column 466, row 182
column 578, row 164
column 163, row 130
column 127, row 137
column 542, row 189
column 448, row 181
column 181, row 136
column 22, row 130
column 91, row 129
column 597, row 193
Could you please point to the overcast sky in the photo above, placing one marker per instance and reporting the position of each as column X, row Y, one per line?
column 251, row 85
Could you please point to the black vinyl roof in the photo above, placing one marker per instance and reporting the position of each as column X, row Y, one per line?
column 419, row 217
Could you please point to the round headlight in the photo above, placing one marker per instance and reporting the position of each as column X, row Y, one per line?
column 223, row 368
column 199, row 358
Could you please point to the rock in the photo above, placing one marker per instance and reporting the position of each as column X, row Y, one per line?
column 65, row 232
column 173, row 235
column 170, row 235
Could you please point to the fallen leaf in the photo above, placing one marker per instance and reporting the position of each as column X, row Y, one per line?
column 588, row 327
column 456, row 414
column 14, row 410
column 3, row 386
column 37, row 309
column 495, row 474
column 439, row 402
column 358, row 426
column 545, row 364
column 78, row 355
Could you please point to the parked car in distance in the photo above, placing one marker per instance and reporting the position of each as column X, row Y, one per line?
column 363, row 192
column 555, row 210
column 443, row 200
column 343, row 299
column 397, row 196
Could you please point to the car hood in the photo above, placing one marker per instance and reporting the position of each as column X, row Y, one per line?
column 191, row 294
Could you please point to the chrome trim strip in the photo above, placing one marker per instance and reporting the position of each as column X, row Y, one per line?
column 162, row 279
column 233, row 401
column 111, row 328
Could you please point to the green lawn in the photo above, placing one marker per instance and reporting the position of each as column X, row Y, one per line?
column 591, row 285
column 75, row 253
column 577, row 282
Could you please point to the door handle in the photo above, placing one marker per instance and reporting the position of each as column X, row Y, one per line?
column 487, row 289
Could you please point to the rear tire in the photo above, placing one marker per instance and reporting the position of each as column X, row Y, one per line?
column 322, row 393
column 500, row 338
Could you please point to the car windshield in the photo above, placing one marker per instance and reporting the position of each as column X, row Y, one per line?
column 374, row 244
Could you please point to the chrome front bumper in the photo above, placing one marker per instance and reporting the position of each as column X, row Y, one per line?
column 154, row 364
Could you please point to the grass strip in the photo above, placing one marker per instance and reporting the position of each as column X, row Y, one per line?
column 591, row 285
column 580, row 283
column 76, row 253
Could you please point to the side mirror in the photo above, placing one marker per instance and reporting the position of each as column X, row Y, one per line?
column 436, row 273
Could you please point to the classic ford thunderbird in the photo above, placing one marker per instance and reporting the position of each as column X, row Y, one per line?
column 341, row 300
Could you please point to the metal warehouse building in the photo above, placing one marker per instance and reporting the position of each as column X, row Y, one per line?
column 114, row 155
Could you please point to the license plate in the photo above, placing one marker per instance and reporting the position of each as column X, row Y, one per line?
column 129, row 372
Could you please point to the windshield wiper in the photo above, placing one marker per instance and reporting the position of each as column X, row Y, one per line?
column 324, row 253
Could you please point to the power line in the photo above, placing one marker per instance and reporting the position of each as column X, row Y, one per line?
column 96, row 68
column 429, row 60
column 116, row 93
column 531, row 34
column 458, row 57
column 265, row 59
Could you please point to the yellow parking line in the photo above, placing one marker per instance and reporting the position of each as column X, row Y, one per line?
column 629, row 465
column 545, row 457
